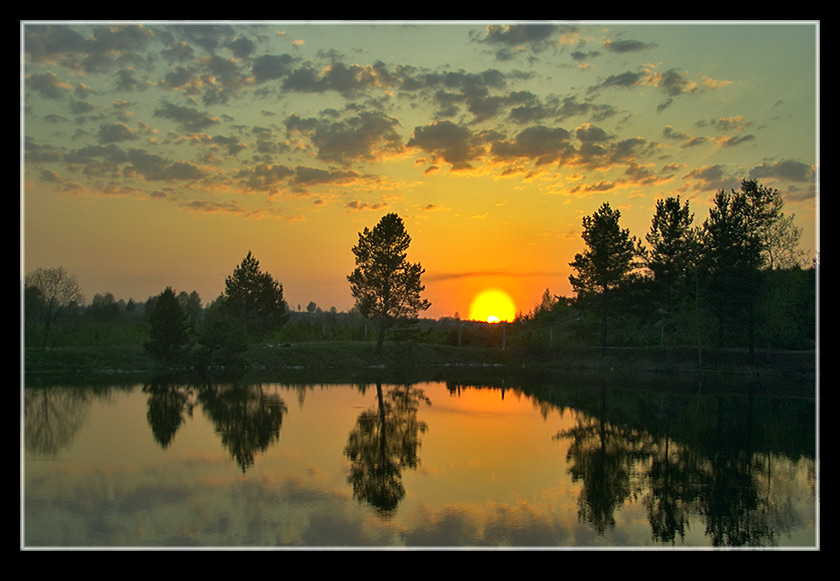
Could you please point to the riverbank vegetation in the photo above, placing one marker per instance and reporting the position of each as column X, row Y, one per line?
column 730, row 295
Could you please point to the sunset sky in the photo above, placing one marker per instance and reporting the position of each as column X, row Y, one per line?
column 158, row 154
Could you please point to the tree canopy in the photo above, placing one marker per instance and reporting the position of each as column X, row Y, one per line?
column 254, row 298
column 606, row 262
column 170, row 333
column 50, row 294
column 385, row 285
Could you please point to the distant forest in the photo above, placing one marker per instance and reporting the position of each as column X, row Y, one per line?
column 736, row 280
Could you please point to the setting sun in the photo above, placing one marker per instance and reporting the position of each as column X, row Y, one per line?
column 492, row 306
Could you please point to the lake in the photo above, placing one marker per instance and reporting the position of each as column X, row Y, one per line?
column 588, row 463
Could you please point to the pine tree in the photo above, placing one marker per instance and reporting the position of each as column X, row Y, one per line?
column 605, row 264
column 385, row 285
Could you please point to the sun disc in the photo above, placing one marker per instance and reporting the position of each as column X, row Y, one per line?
column 492, row 306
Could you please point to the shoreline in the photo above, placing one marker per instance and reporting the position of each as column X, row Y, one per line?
column 351, row 361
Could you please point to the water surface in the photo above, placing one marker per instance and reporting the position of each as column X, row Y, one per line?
column 431, row 464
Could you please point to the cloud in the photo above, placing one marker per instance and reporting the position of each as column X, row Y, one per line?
column 115, row 133
column 362, row 137
column 356, row 205
column 49, row 85
column 271, row 67
column 540, row 143
column 787, row 169
column 188, row 118
column 448, row 141
column 623, row 46
column 432, row 276
column 261, row 113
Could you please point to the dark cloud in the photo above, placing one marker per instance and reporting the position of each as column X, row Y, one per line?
column 231, row 145
column 47, row 42
column 622, row 46
column 733, row 141
column 348, row 80
column 356, row 205
column 154, row 167
column 189, row 118
column 623, row 80
column 110, row 152
column 265, row 177
column 49, row 85
column 352, row 111
column 539, row 143
column 312, row 176
column 452, row 143
column 787, row 169
column 361, row 137
column 115, row 133
column 272, row 67
column 519, row 34
column 709, row 178
column 35, row 152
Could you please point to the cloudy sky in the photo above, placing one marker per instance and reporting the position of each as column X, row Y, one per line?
column 158, row 154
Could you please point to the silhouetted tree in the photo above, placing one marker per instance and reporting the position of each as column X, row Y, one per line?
column 247, row 419
column 253, row 298
column 103, row 307
column 50, row 295
column 731, row 257
column 605, row 264
column 776, row 232
column 671, row 253
column 167, row 406
column 191, row 303
column 385, row 285
column 384, row 443
column 221, row 341
column 170, row 332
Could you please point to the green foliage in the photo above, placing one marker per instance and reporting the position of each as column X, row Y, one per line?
column 605, row 264
column 170, row 333
column 253, row 298
column 221, row 339
column 724, row 283
column 608, row 258
column 52, row 297
column 385, row 285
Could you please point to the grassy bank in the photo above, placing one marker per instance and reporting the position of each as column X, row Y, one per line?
column 350, row 358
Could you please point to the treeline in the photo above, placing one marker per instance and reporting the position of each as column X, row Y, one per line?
column 736, row 280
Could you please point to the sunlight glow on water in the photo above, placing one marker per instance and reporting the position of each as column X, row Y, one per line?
column 272, row 466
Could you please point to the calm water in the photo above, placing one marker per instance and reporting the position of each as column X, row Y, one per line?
column 423, row 465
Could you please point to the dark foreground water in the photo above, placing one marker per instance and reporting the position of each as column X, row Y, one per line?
column 423, row 465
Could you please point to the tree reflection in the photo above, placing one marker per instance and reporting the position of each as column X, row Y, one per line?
column 168, row 404
column 247, row 418
column 671, row 490
column 52, row 417
column 601, row 456
column 713, row 473
column 383, row 444
column 729, row 500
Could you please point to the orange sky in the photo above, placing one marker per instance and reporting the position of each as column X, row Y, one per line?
column 158, row 155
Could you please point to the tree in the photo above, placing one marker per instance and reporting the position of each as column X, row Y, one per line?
column 385, row 285
column 170, row 331
column 672, row 252
column 731, row 257
column 50, row 295
column 253, row 298
column 605, row 264
column 777, row 234
column 103, row 307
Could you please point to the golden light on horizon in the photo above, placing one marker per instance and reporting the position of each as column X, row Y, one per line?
column 492, row 306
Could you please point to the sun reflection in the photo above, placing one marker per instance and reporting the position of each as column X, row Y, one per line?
column 492, row 306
